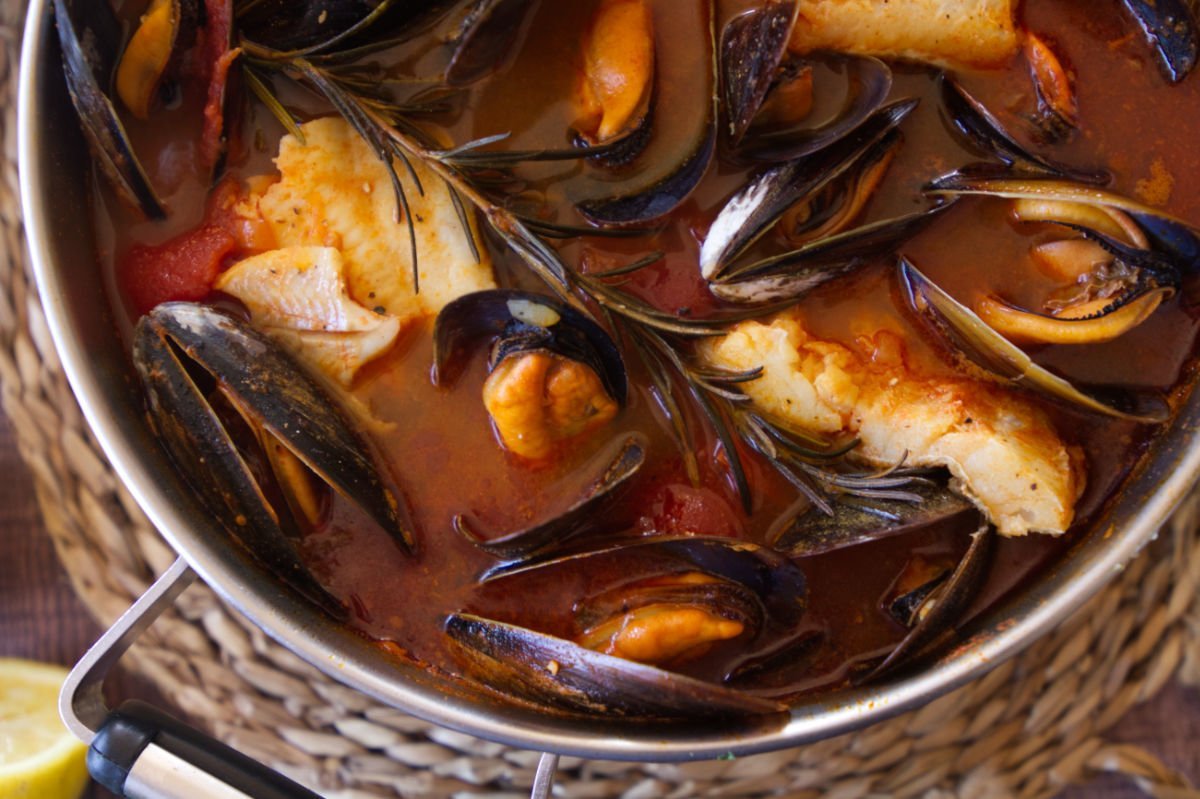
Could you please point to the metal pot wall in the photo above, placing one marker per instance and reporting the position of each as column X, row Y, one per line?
column 56, row 192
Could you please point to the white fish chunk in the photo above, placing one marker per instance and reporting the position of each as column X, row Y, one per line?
column 953, row 33
column 297, row 296
column 333, row 191
column 1001, row 451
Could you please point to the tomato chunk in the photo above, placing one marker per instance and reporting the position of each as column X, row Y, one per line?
column 183, row 268
column 681, row 509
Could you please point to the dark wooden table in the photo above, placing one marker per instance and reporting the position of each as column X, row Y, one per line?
column 41, row 618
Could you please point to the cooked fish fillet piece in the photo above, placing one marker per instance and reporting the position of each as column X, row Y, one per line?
column 334, row 192
column 1001, row 451
column 951, row 33
column 297, row 295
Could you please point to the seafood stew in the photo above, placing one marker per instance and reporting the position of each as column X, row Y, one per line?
column 675, row 289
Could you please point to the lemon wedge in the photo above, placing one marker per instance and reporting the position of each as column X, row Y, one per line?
column 39, row 758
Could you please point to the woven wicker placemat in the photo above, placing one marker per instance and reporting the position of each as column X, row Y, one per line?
column 1027, row 729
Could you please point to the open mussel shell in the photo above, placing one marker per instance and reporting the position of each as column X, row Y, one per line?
column 719, row 598
column 753, row 583
column 558, row 673
column 660, row 198
column 1179, row 240
column 616, row 90
column 308, row 28
column 982, row 129
column 856, row 521
column 943, row 606
column 618, row 467
column 869, row 81
column 754, row 209
column 1171, row 27
column 753, row 45
column 999, row 357
column 91, row 38
column 665, row 192
column 780, row 584
column 520, row 321
column 178, row 340
column 200, row 446
column 485, row 37
column 791, row 275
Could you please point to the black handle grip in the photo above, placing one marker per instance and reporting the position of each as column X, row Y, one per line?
column 135, row 725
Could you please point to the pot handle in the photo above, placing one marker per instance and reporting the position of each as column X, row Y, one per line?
column 140, row 752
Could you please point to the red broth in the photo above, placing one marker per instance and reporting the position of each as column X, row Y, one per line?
column 441, row 447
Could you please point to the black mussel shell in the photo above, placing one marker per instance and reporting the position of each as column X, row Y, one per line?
column 981, row 346
column 779, row 583
column 661, row 196
column 791, row 275
column 520, row 321
column 949, row 600
column 91, row 39
column 1171, row 27
column 659, row 199
column 981, row 128
column 558, row 673
column 870, row 82
column 199, row 444
column 485, row 38
column 720, row 598
column 303, row 26
column 759, row 205
column 908, row 596
column 753, row 45
column 1178, row 240
column 177, row 340
column 857, row 520
column 629, row 456
column 753, row 582
column 777, row 666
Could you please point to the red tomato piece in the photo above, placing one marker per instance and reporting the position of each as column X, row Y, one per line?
column 183, row 268
column 679, row 508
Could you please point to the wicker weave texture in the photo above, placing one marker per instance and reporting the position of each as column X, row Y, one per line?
column 1027, row 729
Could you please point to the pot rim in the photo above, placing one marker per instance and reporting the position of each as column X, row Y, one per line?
column 1001, row 633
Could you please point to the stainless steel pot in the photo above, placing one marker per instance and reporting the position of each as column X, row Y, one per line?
column 55, row 192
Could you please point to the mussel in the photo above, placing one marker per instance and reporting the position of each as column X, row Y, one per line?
column 856, row 521
column 206, row 375
column 1126, row 259
column 762, row 202
column 554, row 374
column 792, row 274
column 615, row 91
column 983, row 349
column 306, row 27
column 753, row 46
column 984, row 131
column 1110, row 281
column 933, row 606
column 90, row 37
column 165, row 31
column 868, row 81
column 664, row 189
column 1057, row 107
column 1170, row 25
column 618, row 464
column 674, row 599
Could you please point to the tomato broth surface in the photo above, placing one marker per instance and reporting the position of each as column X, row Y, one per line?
column 439, row 444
